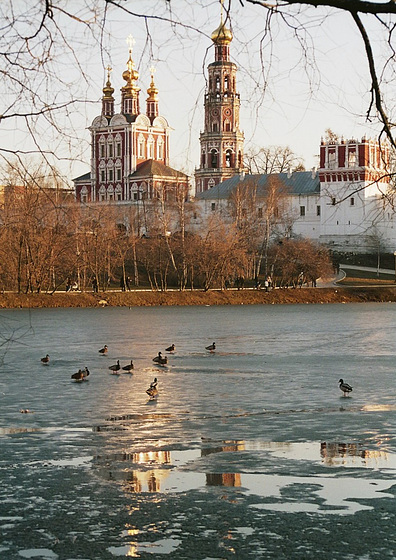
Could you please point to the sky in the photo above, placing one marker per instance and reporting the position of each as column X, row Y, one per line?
column 297, row 75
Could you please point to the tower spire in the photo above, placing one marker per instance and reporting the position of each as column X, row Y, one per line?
column 130, row 92
column 152, row 100
column 108, row 99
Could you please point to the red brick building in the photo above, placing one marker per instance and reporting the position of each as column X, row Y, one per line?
column 121, row 143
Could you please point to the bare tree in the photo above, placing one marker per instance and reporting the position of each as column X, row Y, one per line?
column 274, row 159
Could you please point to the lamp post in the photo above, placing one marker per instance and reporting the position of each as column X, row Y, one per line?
column 394, row 253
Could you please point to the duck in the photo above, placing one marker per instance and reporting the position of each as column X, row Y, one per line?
column 115, row 367
column 345, row 388
column 103, row 350
column 152, row 391
column 211, row 347
column 81, row 374
column 129, row 367
column 46, row 359
column 170, row 348
column 160, row 359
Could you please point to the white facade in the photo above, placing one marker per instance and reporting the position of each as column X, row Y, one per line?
column 347, row 205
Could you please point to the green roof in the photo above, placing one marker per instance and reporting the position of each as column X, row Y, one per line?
column 299, row 182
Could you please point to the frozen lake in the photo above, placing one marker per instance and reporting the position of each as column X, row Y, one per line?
column 250, row 452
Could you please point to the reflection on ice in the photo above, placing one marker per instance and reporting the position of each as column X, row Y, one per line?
column 178, row 471
column 162, row 546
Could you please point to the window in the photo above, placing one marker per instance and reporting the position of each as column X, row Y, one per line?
column 141, row 147
column 213, row 161
column 226, row 84
column 160, row 149
column 111, row 175
column 213, row 207
column 352, row 201
column 318, row 210
column 102, row 150
column 118, row 149
column 214, row 127
column 228, row 158
column 150, row 149
column 302, row 211
column 227, row 126
column 102, row 176
column 118, row 171
column 110, row 150
column 217, row 82
column 203, row 159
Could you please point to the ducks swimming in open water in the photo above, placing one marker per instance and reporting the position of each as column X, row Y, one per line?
column 170, row 348
column 211, row 347
column 345, row 388
column 45, row 360
column 160, row 359
column 103, row 350
column 128, row 368
column 115, row 368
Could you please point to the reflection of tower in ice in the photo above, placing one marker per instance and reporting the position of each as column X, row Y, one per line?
column 115, row 467
column 224, row 479
column 336, row 453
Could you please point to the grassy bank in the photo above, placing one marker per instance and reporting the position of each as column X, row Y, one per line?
column 338, row 294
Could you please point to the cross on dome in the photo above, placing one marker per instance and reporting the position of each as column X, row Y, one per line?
column 130, row 41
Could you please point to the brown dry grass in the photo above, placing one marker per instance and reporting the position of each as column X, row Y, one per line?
column 338, row 294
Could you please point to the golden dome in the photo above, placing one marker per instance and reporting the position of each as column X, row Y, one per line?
column 222, row 35
column 152, row 90
column 108, row 90
column 130, row 74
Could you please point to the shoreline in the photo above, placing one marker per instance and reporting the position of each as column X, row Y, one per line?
column 139, row 298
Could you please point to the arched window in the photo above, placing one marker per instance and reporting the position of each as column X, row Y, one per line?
column 217, row 83
column 203, row 159
column 226, row 83
column 215, row 127
column 110, row 149
column 228, row 158
column 141, row 146
column 227, row 126
column 160, row 148
column 150, row 148
column 213, row 158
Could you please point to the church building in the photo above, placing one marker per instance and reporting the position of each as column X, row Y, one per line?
column 129, row 149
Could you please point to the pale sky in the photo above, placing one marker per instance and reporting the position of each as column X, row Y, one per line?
column 288, row 97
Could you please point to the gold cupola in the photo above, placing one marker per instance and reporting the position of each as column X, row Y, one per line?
column 130, row 91
column 222, row 35
column 108, row 99
column 152, row 100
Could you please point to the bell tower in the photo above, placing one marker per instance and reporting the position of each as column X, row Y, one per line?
column 221, row 141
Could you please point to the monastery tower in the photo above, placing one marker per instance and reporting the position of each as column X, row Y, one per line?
column 221, row 141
